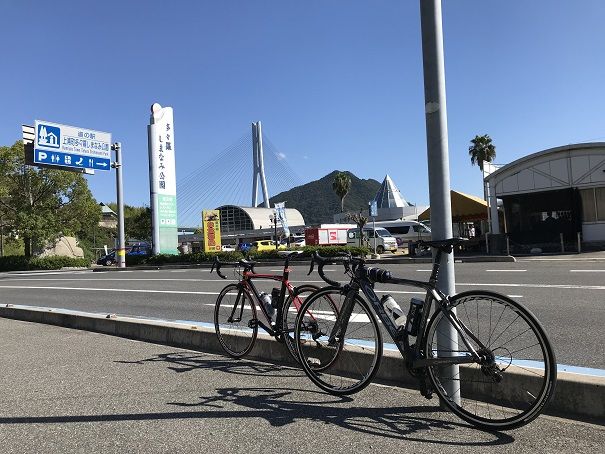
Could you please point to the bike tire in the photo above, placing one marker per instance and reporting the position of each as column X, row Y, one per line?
column 292, row 304
column 350, row 364
column 236, row 336
column 517, row 376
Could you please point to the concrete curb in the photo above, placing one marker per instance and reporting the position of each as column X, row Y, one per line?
column 383, row 260
column 577, row 396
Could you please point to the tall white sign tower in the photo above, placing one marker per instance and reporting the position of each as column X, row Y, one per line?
column 162, row 180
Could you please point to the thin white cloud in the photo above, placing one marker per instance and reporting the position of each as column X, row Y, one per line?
column 280, row 156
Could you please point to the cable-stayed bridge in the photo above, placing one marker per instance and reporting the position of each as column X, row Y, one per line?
column 230, row 177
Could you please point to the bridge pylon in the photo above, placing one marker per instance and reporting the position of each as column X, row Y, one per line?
column 258, row 167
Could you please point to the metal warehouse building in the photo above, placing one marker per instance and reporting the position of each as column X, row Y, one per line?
column 556, row 191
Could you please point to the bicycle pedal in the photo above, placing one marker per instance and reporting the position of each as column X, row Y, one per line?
column 425, row 390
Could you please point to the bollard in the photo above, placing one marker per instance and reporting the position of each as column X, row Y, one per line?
column 562, row 243
column 486, row 243
column 579, row 242
column 507, row 246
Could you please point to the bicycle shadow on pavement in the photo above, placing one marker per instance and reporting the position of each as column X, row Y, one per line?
column 281, row 407
column 187, row 362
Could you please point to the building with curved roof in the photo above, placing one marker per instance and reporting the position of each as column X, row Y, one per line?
column 238, row 219
column 552, row 192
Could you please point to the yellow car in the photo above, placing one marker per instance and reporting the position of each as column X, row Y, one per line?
column 267, row 245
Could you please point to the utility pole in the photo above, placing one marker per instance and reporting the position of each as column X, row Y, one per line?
column 438, row 161
column 121, row 249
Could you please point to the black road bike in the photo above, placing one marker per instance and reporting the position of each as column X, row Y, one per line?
column 486, row 356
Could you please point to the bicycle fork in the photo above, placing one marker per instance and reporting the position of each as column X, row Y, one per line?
column 342, row 320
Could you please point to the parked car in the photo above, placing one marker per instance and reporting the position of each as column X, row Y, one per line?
column 405, row 231
column 107, row 259
column 244, row 247
column 138, row 250
column 266, row 245
column 227, row 248
column 298, row 242
column 384, row 240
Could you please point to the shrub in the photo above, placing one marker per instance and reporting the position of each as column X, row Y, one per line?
column 20, row 263
column 57, row 261
column 328, row 251
column 13, row 263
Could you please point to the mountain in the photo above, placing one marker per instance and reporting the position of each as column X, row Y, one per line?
column 317, row 201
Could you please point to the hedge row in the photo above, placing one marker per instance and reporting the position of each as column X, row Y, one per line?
column 20, row 263
column 201, row 257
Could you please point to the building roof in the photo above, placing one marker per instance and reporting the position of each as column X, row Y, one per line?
column 389, row 195
column 259, row 217
column 465, row 208
column 575, row 165
column 106, row 211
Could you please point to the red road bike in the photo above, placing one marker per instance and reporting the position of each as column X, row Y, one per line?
column 237, row 309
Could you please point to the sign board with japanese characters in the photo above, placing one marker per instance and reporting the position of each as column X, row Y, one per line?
column 71, row 146
column 212, row 230
column 162, row 175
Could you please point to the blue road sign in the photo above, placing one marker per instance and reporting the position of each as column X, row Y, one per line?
column 71, row 160
column 71, row 146
column 373, row 208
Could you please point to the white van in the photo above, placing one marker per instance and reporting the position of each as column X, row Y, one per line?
column 384, row 240
column 405, row 231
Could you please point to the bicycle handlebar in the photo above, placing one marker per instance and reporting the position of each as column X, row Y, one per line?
column 373, row 274
column 322, row 261
column 248, row 266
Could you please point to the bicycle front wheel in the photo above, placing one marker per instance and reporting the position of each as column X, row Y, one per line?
column 348, row 363
column 234, row 321
column 292, row 305
column 517, row 372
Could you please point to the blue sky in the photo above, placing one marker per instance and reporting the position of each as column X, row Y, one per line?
column 336, row 84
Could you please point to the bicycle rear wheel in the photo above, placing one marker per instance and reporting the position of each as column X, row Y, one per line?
column 292, row 304
column 234, row 317
column 518, row 370
column 348, row 364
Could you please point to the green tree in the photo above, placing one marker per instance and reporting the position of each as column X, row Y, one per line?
column 341, row 186
column 41, row 204
column 138, row 224
column 482, row 150
column 137, row 221
column 361, row 221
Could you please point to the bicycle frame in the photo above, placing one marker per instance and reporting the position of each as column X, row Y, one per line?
column 252, row 291
column 412, row 354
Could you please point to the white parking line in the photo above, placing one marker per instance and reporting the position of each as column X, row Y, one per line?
column 506, row 271
column 587, row 271
column 562, row 286
column 89, row 289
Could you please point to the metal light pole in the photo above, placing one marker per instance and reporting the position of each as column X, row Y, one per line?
column 121, row 249
column 438, row 162
column 273, row 219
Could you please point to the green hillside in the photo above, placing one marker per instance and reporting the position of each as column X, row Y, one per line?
column 317, row 202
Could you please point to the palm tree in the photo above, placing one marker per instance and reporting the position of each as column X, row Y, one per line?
column 482, row 150
column 341, row 186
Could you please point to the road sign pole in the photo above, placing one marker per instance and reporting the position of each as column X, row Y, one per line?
column 121, row 249
column 438, row 163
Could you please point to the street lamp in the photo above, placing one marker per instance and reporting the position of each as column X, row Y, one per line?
column 273, row 219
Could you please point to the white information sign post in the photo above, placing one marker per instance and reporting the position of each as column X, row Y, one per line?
column 162, row 180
